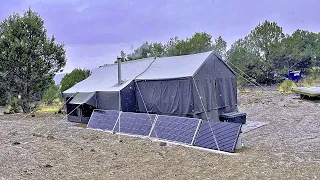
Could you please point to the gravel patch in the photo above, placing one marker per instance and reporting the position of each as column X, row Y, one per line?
column 286, row 148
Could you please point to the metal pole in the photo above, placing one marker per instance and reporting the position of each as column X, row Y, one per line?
column 119, row 71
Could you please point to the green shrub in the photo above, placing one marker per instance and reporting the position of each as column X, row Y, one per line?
column 242, row 84
column 314, row 74
column 309, row 81
column 70, row 79
column 51, row 94
column 286, row 86
column 14, row 105
column 258, row 93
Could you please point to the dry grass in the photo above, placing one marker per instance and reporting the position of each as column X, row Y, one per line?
column 48, row 109
column 245, row 91
column 286, row 148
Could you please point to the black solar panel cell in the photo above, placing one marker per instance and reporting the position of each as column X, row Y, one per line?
column 226, row 135
column 135, row 123
column 103, row 119
column 177, row 129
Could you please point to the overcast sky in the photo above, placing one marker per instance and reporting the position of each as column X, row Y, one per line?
column 94, row 32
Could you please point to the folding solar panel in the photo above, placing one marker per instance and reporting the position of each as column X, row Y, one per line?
column 177, row 129
column 103, row 119
column 135, row 123
column 223, row 135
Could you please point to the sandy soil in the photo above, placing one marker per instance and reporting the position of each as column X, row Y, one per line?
column 287, row 148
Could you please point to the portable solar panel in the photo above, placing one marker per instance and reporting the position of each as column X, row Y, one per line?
column 103, row 119
column 226, row 135
column 135, row 123
column 177, row 129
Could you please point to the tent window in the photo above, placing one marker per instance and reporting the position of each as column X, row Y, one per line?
column 71, row 107
column 86, row 110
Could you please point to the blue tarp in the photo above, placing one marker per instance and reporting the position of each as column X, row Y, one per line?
column 294, row 76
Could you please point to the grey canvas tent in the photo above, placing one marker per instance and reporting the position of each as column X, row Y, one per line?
column 199, row 85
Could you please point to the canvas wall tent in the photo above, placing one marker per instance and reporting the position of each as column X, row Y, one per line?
column 199, row 85
column 101, row 90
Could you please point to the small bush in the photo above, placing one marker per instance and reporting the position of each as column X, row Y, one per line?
column 241, row 83
column 51, row 95
column 34, row 106
column 313, row 77
column 309, row 81
column 57, row 101
column 286, row 86
column 14, row 106
column 258, row 93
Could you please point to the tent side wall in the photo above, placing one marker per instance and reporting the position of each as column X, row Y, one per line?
column 128, row 98
column 108, row 100
column 167, row 97
column 204, row 87
column 215, row 84
column 226, row 87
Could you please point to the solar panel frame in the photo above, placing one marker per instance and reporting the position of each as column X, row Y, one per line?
column 104, row 121
column 196, row 132
column 155, row 121
column 226, row 135
column 131, row 128
column 158, row 131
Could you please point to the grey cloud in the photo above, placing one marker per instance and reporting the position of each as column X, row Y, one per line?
column 99, row 30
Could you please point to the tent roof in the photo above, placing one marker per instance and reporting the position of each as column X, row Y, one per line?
column 174, row 67
column 105, row 78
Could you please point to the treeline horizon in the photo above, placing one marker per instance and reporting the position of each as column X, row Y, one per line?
column 266, row 54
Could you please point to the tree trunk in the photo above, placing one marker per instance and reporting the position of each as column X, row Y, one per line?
column 26, row 107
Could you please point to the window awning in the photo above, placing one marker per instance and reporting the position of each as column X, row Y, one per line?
column 84, row 98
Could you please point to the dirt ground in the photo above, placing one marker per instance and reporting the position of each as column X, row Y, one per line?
column 287, row 148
